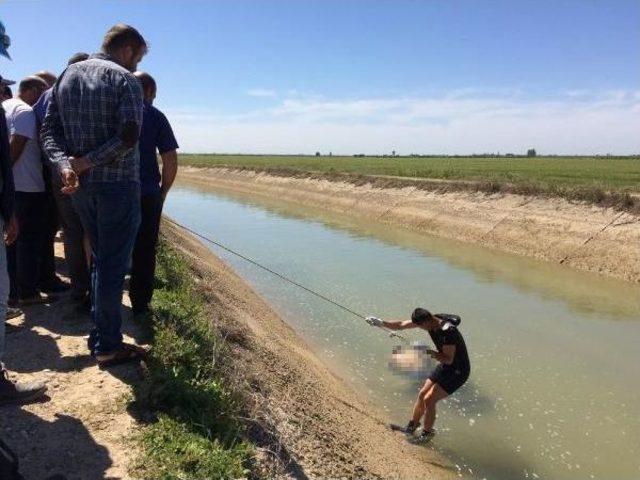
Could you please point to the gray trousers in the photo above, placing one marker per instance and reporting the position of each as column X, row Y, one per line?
column 73, row 240
column 4, row 287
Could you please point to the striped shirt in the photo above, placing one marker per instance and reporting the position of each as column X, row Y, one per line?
column 90, row 104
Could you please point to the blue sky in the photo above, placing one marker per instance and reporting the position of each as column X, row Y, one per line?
column 367, row 76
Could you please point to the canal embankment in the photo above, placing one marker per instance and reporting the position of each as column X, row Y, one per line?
column 577, row 234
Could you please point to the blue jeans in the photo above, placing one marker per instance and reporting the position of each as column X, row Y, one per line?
column 110, row 214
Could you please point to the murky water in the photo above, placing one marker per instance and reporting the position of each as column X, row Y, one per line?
column 555, row 354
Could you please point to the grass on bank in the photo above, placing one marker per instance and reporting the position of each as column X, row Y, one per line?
column 194, row 432
column 606, row 180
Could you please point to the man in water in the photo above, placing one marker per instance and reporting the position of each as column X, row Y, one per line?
column 450, row 374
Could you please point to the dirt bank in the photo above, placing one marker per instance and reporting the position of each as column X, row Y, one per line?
column 575, row 234
column 321, row 428
column 82, row 429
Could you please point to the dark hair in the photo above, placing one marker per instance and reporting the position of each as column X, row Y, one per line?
column 32, row 82
column 77, row 57
column 146, row 81
column 120, row 36
column 420, row 315
column 6, row 90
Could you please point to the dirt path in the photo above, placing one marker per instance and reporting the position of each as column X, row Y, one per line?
column 324, row 428
column 80, row 429
column 574, row 234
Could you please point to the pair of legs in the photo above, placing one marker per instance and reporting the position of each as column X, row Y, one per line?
column 430, row 394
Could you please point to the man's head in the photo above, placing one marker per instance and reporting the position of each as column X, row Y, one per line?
column 424, row 319
column 48, row 77
column 149, row 87
column 5, row 92
column 77, row 57
column 125, row 46
column 31, row 88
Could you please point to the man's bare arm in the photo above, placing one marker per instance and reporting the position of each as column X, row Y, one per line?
column 16, row 147
column 169, row 171
column 399, row 325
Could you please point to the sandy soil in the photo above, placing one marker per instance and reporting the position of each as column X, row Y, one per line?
column 322, row 428
column 575, row 234
column 82, row 427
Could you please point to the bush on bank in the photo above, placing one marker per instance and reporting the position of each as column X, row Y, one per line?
column 194, row 432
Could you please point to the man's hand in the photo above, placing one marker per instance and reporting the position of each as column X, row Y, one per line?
column 80, row 164
column 374, row 321
column 11, row 230
column 70, row 181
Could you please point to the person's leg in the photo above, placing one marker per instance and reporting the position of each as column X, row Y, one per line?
column 74, row 249
column 143, row 261
column 4, row 291
column 433, row 396
column 48, row 280
column 118, row 218
column 29, row 243
column 418, row 408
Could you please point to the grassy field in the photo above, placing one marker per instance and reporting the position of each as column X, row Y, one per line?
column 548, row 174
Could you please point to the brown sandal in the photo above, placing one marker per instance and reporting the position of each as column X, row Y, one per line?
column 127, row 353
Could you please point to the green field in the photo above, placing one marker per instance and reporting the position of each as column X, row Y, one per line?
column 546, row 174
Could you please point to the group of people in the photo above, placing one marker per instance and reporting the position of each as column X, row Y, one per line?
column 78, row 154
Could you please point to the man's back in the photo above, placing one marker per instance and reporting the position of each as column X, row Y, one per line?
column 92, row 100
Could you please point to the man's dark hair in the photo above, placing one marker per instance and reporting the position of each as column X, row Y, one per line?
column 147, row 81
column 420, row 315
column 120, row 36
column 6, row 91
column 32, row 82
column 77, row 57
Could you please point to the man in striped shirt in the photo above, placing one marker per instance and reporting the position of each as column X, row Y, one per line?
column 91, row 132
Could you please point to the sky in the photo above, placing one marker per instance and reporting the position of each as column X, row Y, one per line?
column 355, row 76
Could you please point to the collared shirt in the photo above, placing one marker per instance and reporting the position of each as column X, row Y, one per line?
column 89, row 105
column 156, row 134
column 40, row 107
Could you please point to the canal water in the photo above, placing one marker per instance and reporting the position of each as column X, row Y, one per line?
column 555, row 353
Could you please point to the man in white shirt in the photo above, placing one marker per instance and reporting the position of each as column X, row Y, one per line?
column 30, row 192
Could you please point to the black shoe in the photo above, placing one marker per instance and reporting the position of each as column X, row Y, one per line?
column 55, row 286
column 411, row 427
column 19, row 393
column 38, row 299
column 13, row 312
column 426, row 436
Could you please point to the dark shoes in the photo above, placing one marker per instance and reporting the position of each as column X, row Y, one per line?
column 55, row 286
column 37, row 299
column 127, row 353
column 19, row 393
column 13, row 312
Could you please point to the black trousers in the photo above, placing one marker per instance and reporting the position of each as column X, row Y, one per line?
column 23, row 257
column 143, row 260
column 47, row 256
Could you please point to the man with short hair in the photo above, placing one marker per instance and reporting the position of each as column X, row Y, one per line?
column 48, row 280
column 5, row 89
column 91, row 132
column 74, row 234
column 10, row 391
column 156, row 135
column 24, row 257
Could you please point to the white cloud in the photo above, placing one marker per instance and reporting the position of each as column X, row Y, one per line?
column 456, row 123
column 261, row 92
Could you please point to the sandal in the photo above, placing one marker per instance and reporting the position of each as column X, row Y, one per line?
column 127, row 353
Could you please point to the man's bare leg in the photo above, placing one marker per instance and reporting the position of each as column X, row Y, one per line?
column 432, row 397
column 419, row 407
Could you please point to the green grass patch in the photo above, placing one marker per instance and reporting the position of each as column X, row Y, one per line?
column 194, row 432
column 545, row 174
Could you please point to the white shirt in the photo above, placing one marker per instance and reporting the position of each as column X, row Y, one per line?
column 27, row 171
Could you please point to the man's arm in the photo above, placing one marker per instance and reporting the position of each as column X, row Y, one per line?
column 16, row 147
column 8, row 188
column 399, row 325
column 446, row 356
column 52, row 135
column 169, row 171
column 130, row 120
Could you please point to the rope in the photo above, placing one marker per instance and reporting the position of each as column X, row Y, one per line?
column 281, row 276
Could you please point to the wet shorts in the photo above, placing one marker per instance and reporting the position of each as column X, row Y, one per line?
column 449, row 378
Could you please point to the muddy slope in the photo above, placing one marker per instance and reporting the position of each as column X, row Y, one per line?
column 577, row 235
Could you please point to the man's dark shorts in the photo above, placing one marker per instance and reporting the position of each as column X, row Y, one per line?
column 449, row 378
